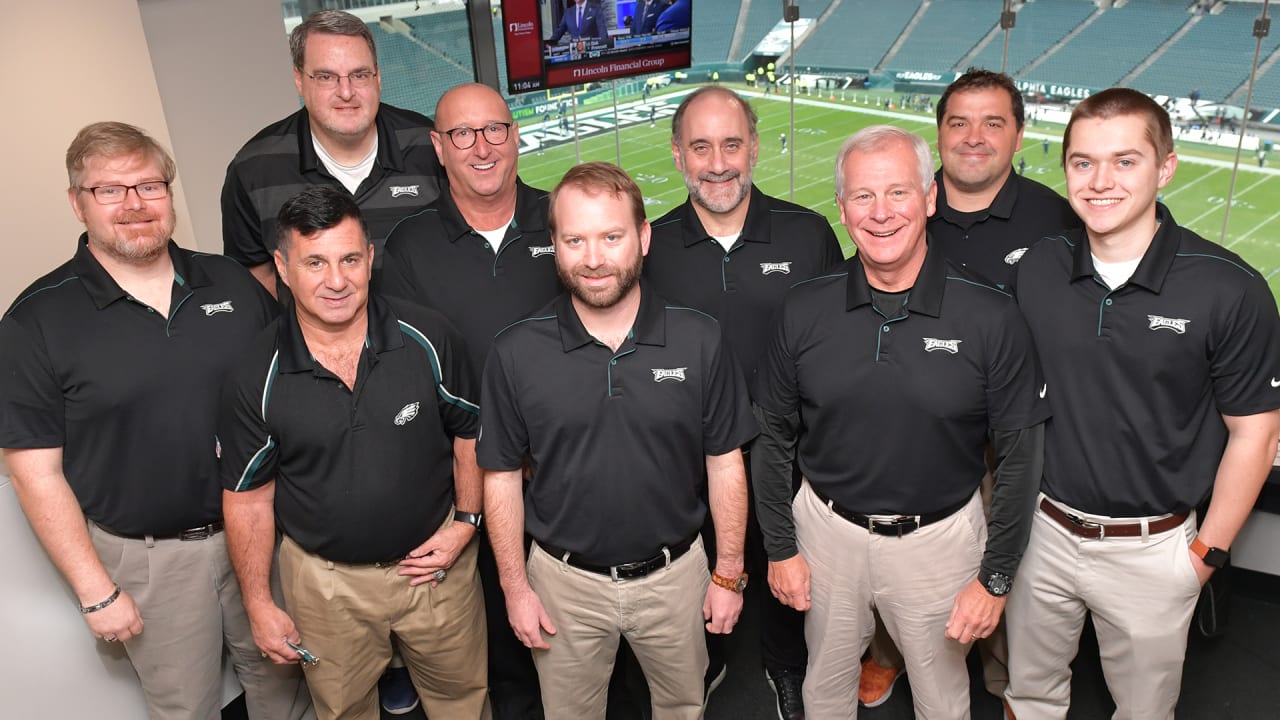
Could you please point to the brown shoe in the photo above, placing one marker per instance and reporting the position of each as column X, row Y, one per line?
column 876, row 685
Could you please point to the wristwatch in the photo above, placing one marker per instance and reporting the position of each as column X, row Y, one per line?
column 998, row 584
column 468, row 518
column 1213, row 557
column 737, row 584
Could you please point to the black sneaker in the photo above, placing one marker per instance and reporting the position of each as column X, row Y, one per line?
column 788, row 686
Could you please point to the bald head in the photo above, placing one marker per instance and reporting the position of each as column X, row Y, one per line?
column 478, row 145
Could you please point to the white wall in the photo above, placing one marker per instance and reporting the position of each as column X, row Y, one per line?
column 201, row 76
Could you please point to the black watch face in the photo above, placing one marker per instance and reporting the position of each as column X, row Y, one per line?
column 1216, row 558
column 999, row 585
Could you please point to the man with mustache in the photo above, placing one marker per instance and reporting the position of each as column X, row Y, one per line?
column 732, row 252
column 628, row 409
column 343, row 137
column 110, row 371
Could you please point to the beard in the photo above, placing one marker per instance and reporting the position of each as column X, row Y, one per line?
column 137, row 247
column 625, row 278
column 724, row 201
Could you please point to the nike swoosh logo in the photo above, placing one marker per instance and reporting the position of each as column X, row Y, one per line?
column 1045, row 389
column 1275, row 383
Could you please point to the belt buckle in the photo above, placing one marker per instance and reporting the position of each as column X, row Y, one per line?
column 627, row 571
column 901, row 525
column 1088, row 525
column 191, row 534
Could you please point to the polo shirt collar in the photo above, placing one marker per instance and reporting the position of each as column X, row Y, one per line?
column 649, row 327
column 1154, row 266
column 382, row 336
column 104, row 290
column 531, row 214
column 1001, row 206
column 390, row 155
column 926, row 292
column 755, row 228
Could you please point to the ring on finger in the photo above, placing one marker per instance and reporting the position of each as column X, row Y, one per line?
column 439, row 575
column 110, row 638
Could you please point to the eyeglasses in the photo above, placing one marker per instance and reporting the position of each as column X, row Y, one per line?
column 495, row 133
column 115, row 194
column 358, row 79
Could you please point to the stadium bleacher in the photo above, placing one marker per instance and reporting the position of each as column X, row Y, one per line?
column 1108, row 49
column 946, row 33
column 411, row 77
column 857, row 35
column 1213, row 57
column 1040, row 25
column 714, row 23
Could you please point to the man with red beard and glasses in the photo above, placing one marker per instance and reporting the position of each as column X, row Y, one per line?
column 625, row 406
column 733, row 252
column 110, row 369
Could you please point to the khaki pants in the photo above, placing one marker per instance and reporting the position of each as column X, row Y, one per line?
column 659, row 614
column 992, row 649
column 191, row 607
column 912, row 580
column 347, row 616
column 1142, row 592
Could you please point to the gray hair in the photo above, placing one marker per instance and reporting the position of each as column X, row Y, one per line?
column 872, row 139
column 331, row 22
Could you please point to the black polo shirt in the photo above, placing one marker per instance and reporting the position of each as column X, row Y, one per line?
column 781, row 244
column 618, row 439
column 435, row 259
column 281, row 161
column 990, row 242
column 130, row 396
column 364, row 475
column 1141, row 375
column 895, row 413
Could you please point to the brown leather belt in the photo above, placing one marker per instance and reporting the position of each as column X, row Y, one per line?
column 1097, row 531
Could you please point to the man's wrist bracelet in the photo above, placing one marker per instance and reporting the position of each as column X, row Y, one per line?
column 95, row 608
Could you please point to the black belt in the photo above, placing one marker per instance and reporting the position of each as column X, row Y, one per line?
column 896, row 527
column 625, row 571
column 204, row 532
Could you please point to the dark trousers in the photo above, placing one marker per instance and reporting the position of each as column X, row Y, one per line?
column 513, row 681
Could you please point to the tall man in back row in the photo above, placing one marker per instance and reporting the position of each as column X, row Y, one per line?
column 986, row 218
column 110, row 370
column 343, row 137
column 1163, row 353
column 732, row 252
column 630, row 413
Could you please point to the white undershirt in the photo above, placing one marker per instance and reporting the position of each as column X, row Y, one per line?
column 495, row 236
column 726, row 241
column 349, row 175
column 1115, row 274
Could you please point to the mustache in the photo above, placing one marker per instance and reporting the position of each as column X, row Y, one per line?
column 719, row 177
column 133, row 216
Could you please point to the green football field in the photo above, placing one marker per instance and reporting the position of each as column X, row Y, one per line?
column 1196, row 195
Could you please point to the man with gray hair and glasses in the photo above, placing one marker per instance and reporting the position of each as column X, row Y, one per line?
column 907, row 348
column 110, row 371
column 343, row 137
